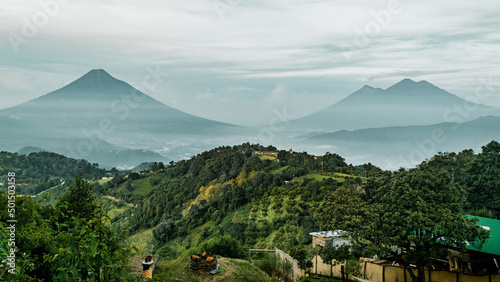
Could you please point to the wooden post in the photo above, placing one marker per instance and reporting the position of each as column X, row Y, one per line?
column 316, row 264
column 404, row 273
column 342, row 274
column 249, row 255
column 383, row 273
column 458, row 276
column 364, row 271
column 430, row 270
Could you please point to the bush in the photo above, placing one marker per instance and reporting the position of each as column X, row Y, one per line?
column 225, row 246
column 268, row 264
column 274, row 266
column 166, row 252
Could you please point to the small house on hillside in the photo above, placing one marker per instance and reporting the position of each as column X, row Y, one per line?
column 486, row 260
column 336, row 238
column 492, row 245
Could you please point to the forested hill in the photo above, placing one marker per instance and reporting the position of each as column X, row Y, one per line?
column 267, row 198
column 39, row 171
column 227, row 200
column 258, row 195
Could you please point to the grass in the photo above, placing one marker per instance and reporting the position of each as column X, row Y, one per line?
column 321, row 177
column 116, row 212
column 102, row 181
column 279, row 170
column 52, row 196
column 266, row 157
column 113, row 208
column 141, row 187
column 339, row 177
column 143, row 240
column 230, row 270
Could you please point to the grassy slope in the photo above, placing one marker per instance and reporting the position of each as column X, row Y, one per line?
column 181, row 248
column 254, row 211
column 143, row 241
column 230, row 270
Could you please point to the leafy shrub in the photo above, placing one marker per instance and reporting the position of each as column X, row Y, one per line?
column 225, row 246
column 274, row 266
column 166, row 252
column 268, row 264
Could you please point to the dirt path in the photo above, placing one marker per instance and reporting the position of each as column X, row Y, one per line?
column 44, row 191
column 118, row 200
column 62, row 183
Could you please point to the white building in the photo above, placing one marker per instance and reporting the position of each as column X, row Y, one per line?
column 337, row 238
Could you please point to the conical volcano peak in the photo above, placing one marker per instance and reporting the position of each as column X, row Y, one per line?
column 96, row 76
column 97, row 81
column 410, row 87
column 405, row 83
column 97, row 73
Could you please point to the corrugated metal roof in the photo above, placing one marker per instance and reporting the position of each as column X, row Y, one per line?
column 492, row 245
column 328, row 234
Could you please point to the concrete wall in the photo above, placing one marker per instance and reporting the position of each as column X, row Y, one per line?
column 324, row 269
column 377, row 273
column 294, row 262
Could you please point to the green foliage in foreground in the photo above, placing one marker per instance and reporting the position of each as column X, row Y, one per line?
column 233, row 193
column 72, row 240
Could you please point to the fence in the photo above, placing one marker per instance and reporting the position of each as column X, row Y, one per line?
column 283, row 256
column 294, row 262
column 388, row 273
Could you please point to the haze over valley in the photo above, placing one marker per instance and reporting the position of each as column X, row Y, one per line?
column 107, row 121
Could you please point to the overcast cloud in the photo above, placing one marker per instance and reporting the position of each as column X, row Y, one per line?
column 236, row 61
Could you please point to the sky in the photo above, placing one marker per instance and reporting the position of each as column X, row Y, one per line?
column 242, row 61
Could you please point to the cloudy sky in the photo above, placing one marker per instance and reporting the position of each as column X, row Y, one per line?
column 239, row 61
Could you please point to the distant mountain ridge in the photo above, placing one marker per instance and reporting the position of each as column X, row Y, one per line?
column 98, row 97
column 105, row 120
column 405, row 146
column 405, row 103
column 102, row 119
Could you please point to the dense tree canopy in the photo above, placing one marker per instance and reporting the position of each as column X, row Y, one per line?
column 74, row 239
column 483, row 180
column 254, row 197
column 419, row 211
column 43, row 170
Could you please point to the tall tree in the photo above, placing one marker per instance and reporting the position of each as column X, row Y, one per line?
column 483, row 181
column 80, row 201
column 419, row 211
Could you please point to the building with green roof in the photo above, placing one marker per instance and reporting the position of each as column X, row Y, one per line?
column 492, row 245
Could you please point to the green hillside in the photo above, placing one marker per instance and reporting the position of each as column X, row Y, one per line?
column 37, row 172
column 223, row 201
column 261, row 196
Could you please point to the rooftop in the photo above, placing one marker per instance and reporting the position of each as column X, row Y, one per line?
column 492, row 245
column 328, row 234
